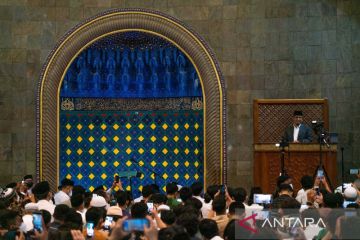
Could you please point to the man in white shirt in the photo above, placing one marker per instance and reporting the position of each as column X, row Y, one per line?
column 298, row 132
column 63, row 195
column 43, row 197
column 307, row 184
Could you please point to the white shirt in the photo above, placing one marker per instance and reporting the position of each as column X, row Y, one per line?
column 301, row 196
column 296, row 132
column 311, row 231
column 216, row 238
column 253, row 208
column 206, row 208
column 46, row 205
column 82, row 213
column 62, row 198
column 139, row 199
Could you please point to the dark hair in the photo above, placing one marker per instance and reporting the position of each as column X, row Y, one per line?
column 87, row 199
column 78, row 189
column 236, row 206
column 219, row 204
column 331, row 200
column 139, row 210
column 239, row 194
column 41, row 196
column 121, row 197
column 189, row 221
column 46, row 216
column 253, row 190
column 196, row 188
column 196, row 203
column 94, row 214
column 60, row 212
column 180, row 209
column 207, row 198
column 129, row 196
column 159, row 198
column 281, row 179
column 173, row 233
column 146, row 191
column 77, row 200
column 208, row 228
column 185, row 194
column 168, row 217
column 212, row 190
column 7, row 218
column 306, row 182
column 155, row 188
column 312, row 213
column 74, row 218
column 285, row 202
column 171, row 188
column 285, row 187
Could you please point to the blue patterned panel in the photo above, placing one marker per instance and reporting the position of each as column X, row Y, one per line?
column 164, row 146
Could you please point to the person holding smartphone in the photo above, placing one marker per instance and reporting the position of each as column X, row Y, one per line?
column 116, row 184
column 95, row 218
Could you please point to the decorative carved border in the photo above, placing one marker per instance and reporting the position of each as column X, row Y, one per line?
column 120, row 20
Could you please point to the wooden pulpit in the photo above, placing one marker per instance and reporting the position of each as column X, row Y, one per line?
column 271, row 118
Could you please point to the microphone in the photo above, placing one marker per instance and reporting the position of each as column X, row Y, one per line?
column 327, row 144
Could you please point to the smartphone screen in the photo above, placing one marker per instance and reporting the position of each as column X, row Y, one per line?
column 135, row 224
column 262, row 198
column 108, row 221
column 37, row 221
column 117, row 178
column 320, row 173
column 113, row 202
column 150, row 206
column 354, row 171
column 90, row 229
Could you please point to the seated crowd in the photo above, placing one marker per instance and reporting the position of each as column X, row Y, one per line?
column 182, row 212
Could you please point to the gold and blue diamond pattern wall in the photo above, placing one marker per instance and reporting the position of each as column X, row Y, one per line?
column 95, row 145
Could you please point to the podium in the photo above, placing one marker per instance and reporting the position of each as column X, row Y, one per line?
column 304, row 158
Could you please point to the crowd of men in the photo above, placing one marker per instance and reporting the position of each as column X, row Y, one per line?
column 31, row 211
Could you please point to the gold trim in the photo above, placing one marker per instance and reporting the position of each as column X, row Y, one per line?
column 135, row 13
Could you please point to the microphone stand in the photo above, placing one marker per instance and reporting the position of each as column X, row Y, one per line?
column 148, row 169
column 319, row 129
column 342, row 169
column 282, row 144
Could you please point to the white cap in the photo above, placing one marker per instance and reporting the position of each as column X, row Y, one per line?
column 98, row 201
column 179, row 187
column 350, row 193
column 114, row 210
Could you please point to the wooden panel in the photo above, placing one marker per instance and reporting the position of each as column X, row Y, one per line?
column 304, row 159
column 272, row 116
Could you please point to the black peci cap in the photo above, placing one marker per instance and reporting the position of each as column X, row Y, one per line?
column 41, row 188
column 66, row 182
column 298, row 113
